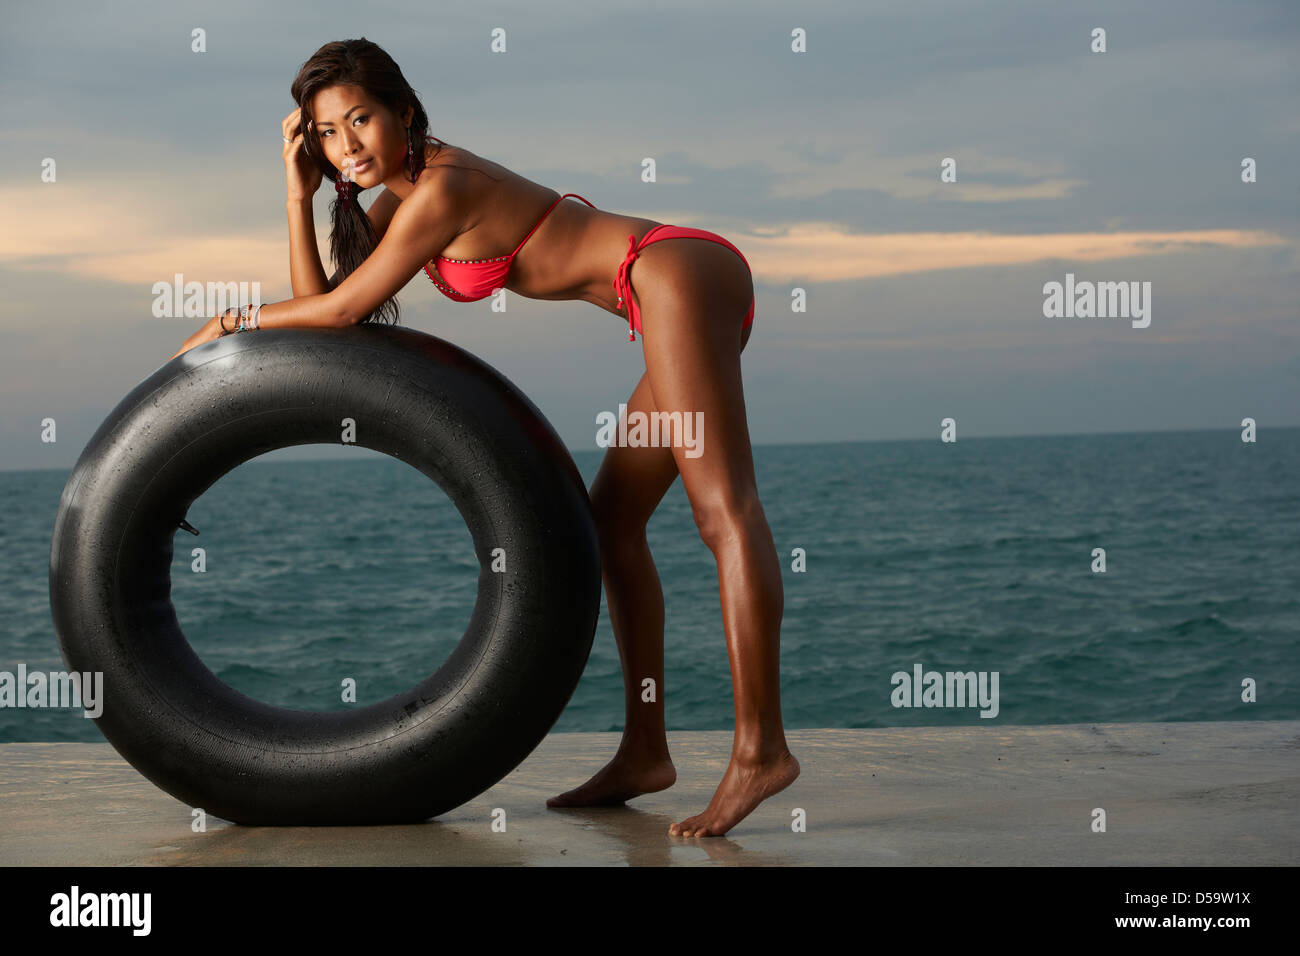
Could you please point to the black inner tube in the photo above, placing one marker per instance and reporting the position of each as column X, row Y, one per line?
column 408, row 395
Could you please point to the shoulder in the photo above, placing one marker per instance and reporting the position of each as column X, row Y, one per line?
column 450, row 188
column 432, row 215
column 439, row 191
column 437, row 180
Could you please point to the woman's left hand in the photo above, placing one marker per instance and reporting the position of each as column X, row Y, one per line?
column 210, row 330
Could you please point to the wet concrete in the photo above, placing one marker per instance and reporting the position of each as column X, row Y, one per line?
column 1182, row 794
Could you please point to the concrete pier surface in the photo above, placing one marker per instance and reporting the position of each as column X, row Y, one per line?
column 1174, row 794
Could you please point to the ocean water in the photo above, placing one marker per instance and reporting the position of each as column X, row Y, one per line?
column 972, row 556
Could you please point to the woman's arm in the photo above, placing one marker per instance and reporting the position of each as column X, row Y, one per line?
column 306, row 274
column 421, row 227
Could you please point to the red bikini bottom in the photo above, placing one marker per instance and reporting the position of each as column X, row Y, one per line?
column 659, row 233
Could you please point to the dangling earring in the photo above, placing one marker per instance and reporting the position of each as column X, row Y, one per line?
column 410, row 155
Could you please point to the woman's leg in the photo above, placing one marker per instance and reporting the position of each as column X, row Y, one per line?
column 627, row 489
column 693, row 296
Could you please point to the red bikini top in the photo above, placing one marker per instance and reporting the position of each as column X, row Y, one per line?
column 468, row 280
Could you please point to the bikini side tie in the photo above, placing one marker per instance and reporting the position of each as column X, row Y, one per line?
column 621, row 284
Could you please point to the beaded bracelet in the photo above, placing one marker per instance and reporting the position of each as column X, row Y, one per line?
column 247, row 319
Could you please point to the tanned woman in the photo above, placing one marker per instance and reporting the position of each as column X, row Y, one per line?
column 474, row 228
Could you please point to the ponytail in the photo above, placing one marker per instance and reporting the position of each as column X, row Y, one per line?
column 352, row 239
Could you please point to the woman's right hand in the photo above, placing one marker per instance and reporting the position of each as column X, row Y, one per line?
column 301, row 174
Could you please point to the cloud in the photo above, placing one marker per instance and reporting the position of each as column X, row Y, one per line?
column 134, row 239
column 823, row 252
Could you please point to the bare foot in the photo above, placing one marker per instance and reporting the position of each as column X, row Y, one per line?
column 621, row 779
column 744, row 786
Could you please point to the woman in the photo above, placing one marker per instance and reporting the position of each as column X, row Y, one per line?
column 455, row 215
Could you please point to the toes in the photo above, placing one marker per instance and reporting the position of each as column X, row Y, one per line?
column 700, row 827
column 696, row 826
column 685, row 827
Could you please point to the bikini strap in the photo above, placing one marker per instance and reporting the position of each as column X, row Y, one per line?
column 622, row 284
column 543, row 219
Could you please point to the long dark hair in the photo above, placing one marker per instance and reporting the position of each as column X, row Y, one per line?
column 364, row 64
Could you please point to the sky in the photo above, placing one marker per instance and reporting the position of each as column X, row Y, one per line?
column 924, row 298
